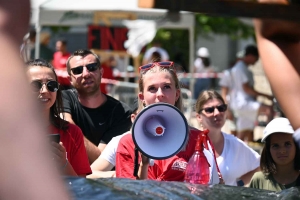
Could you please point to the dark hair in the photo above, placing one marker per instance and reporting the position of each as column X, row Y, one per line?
column 82, row 53
column 135, row 105
column 267, row 164
column 32, row 34
column 63, row 41
column 57, row 107
column 205, row 96
column 251, row 50
column 155, row 57
column 205, row 61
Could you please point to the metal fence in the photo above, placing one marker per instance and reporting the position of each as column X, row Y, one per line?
column 127, row 92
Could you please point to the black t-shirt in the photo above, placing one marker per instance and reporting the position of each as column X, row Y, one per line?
column 99, row 125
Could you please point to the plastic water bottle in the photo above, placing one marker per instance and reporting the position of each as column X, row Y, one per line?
column 197, row 170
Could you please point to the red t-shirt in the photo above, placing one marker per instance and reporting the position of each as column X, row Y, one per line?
column 59, row 62
column 107, row 73
column 171, row 169
column 72, row 140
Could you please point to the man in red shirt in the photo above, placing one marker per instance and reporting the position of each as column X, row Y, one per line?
column 60, row 58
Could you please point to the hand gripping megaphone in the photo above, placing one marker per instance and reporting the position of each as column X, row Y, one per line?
column 160, row 131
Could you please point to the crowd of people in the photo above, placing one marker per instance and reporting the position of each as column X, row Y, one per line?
column 95, row 128
column 88, row 120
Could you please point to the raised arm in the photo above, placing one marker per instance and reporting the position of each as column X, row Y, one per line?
column 279, row 47
column 25, row 159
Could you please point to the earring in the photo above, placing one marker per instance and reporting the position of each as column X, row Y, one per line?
column 200, row 126
column 144, row 104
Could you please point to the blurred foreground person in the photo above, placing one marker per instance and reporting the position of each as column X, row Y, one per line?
column 279, row 47
column 27, row 171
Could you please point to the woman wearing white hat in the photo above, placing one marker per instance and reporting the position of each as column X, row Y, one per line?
column 280, row 158
column 202, row 64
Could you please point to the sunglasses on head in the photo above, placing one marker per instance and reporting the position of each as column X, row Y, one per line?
column 90, row 67
column 161, row 64
column 52, row 86
column 220, row 108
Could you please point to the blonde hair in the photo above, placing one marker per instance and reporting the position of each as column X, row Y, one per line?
column 205, row 96
column 178, row 103
column 156, row 68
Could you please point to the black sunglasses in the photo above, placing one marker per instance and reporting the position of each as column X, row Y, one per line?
column 52, row 86
column 90, row 67
column 221, row 108
column 161, row 64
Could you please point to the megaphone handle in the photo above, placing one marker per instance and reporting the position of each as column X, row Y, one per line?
column 136, row 162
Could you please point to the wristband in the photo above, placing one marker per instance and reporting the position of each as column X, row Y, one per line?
column 66, row 161
column 240, row 182
column 296, row 136
column 65, row 164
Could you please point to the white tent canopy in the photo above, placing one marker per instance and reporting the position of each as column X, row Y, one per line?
column 107, row 12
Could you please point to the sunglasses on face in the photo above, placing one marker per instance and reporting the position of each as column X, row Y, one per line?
column 150, row 65
column 220, row 108
column 52, row 86
column 90, row 67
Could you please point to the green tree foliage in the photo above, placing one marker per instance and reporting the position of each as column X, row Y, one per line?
column 233, row 27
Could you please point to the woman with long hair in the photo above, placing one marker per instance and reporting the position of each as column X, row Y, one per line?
column 69, row 154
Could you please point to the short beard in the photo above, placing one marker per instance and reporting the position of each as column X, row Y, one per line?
column 86, row 92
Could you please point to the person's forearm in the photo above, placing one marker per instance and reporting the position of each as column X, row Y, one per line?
column 93, row 151
column 281, row 63
column 68, row 170
column 102, row 174
column 249, row 90
column 143, row 171
column 246, row 178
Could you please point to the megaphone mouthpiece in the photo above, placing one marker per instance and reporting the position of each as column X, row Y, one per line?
column 154, row 126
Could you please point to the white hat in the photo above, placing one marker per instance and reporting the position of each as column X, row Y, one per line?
column 278, row 125
column 203, row 52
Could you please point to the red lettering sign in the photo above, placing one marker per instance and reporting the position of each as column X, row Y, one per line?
column 107, row 38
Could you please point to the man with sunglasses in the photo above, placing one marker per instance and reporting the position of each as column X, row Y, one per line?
column 99, row 116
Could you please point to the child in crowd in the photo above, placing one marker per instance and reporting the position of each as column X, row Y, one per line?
column 70, row 153
column 280, row 159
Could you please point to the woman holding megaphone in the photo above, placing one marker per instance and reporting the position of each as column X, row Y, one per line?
column 158, row 83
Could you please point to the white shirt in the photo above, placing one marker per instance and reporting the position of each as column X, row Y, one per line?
column 200, row 68
column 240, row 74
column 109, row 152
column 163, row 53
column 236, row 159
column 226, row 81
